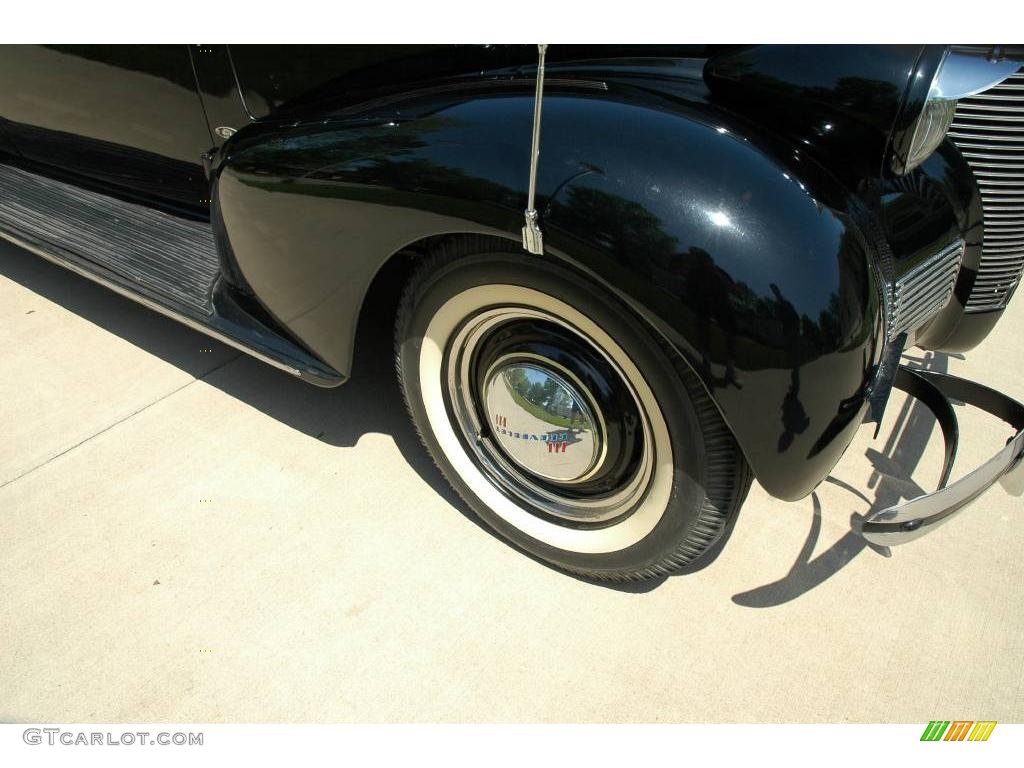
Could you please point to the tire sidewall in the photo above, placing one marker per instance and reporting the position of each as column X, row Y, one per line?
column 688, row 482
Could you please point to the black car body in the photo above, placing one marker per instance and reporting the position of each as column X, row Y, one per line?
column 760, row 209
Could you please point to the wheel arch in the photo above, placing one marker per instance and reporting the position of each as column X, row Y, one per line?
column 315, row 210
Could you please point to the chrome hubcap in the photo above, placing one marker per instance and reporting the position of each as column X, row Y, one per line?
column 549, row 416
column 544, row 421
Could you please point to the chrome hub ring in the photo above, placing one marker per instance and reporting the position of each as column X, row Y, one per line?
column 537, row 428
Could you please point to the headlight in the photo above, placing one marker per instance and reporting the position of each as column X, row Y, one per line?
column 961, row 73
column 929, row 131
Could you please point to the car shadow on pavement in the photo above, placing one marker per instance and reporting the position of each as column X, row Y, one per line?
column 371, row 402
column 890, row 481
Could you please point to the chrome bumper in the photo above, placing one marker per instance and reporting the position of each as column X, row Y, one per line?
column 911, row 519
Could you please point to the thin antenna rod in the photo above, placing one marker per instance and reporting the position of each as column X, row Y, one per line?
column 533, row 238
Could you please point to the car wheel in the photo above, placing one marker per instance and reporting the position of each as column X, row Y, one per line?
column 559, row 417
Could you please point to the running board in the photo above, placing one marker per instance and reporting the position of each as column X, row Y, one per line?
column 164, row 262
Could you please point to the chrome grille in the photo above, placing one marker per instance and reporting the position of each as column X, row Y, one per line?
column 989, row 131
column 925, row 290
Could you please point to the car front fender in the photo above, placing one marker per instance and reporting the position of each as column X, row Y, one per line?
column 735, row 247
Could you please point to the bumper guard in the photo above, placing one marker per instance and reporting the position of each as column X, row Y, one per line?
column 914, row 518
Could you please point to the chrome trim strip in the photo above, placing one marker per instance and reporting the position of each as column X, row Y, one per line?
column 1009, row 114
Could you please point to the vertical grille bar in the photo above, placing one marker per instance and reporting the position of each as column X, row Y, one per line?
column 988, row 128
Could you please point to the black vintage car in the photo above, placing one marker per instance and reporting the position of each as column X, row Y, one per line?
column 635, row 278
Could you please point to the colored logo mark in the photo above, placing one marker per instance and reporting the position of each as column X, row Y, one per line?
column 958, row 730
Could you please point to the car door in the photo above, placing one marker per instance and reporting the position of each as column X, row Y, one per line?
column 122, row 115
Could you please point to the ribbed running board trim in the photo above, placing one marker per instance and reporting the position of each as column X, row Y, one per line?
column 207, row 307
column 162, row 254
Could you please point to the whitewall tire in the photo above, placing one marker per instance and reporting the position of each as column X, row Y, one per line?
column 559, row 417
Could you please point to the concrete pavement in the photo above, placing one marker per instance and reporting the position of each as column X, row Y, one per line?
column 190, row 535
